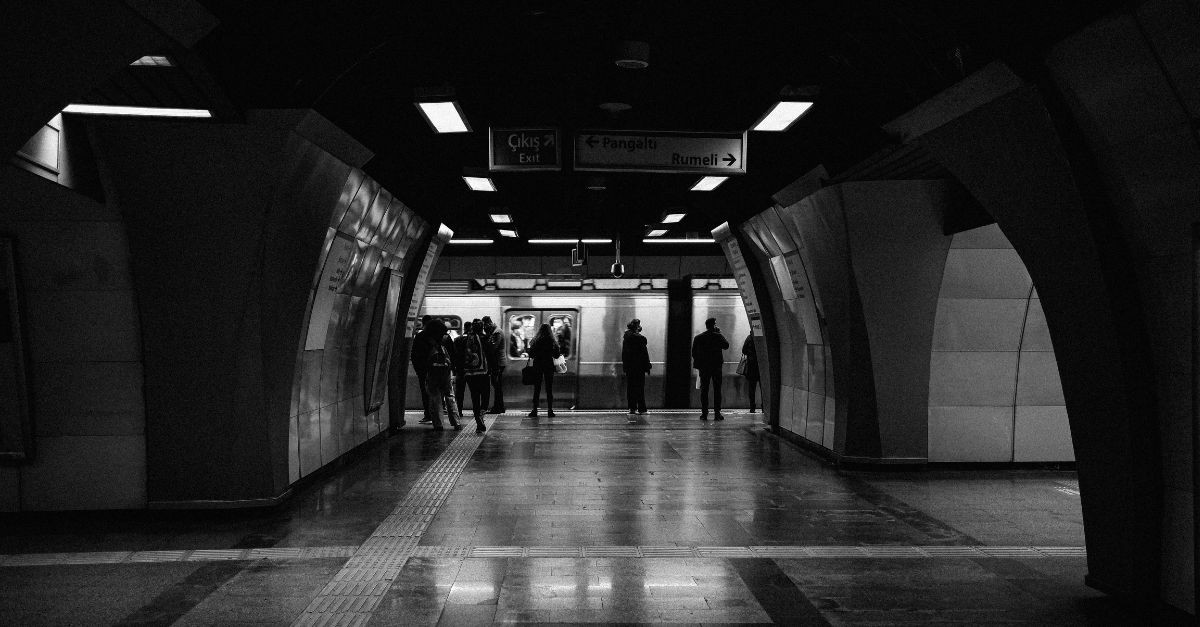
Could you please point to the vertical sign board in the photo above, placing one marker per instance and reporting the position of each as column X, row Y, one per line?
column 16, row 428
column 334, row 273
column 523, row 149
column 741, row 274
column 431, row 257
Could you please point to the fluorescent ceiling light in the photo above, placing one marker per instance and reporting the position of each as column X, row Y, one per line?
column 781, row 116
column 444, row 117
column 154, row 61
column 471, row 241
column 480, row 183
column 507, row 232
column 657, row 233
column 570, row 241
column 672, row 218
column 664, row 240
column 155, row 112
column 501, row 218
column 708, row 183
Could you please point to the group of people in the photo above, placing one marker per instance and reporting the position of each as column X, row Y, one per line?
column 447, row 368
column 476, row 359
column 707, row 360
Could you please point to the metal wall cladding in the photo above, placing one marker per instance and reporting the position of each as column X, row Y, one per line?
column 994, row 389
column 328, row 393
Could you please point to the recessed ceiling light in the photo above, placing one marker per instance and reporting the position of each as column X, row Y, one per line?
column 672, row 218
column 470, row 241
column 480, row 183
column 708, row 183
column 501, row 218
column 154, row 61
column 665, row 240
column 781, row 116
column 444, row 117
column 633, row 55
column 152, row 112
column 507, row 232
column 656, row 233
column 570, row 241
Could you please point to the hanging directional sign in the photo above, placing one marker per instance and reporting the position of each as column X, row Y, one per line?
column 517, row 149
column 661, row 151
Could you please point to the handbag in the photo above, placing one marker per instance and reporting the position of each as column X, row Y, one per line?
column 560, row 364
column 741, row 367
column 529, row 374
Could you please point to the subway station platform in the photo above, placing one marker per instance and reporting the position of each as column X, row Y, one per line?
column 588, row 517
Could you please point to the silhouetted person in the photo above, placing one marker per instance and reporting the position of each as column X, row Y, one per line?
column 437, row 377
column 543, row 349
column 708, row 359
column 635, row 360
column 496, row 362
column 418, row 355
column 751, row 370
column 471, row 362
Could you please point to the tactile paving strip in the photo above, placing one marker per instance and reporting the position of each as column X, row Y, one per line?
column 359, row 587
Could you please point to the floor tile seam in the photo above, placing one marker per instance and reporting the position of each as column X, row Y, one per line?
column 381, row 549
column 410, row 546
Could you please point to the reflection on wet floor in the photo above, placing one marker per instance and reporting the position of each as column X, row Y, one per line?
column 585, row 518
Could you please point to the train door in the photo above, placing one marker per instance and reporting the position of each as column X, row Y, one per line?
column 521, row 326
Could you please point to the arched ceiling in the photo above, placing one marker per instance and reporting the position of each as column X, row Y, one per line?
column 714, row 66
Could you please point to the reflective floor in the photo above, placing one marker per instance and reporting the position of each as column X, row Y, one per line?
column 583, row 518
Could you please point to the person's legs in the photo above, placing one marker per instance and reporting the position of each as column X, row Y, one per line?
column 497, row 391
column 704, row 379
column 549, row 392
column 641, row 393
column 485, row 392
column 537, row 393
column 478, row 385
column 460, row 387
column 716, row 386
column 436, row 393
column 750, row 387
column 420, row 372
column 630, row 391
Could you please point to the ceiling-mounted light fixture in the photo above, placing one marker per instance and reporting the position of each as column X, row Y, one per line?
column 148, row 112
column 672, row 216
column 470, row 241
column 508, row 232
column 633, row 55
column 597, row 183
column 618, row 268
column 152, row 60
column 571, row 241
column 781, row 116
column 708, row 183
column 670, row 240
column 656, row 232
column 480, row 183
column 441, row 110
column 501, row 218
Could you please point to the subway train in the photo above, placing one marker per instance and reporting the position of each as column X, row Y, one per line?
column 593, row 324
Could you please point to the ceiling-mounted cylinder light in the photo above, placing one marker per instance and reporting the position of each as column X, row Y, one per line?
column 633, row 55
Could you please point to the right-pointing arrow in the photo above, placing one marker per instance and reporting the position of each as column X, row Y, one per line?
column 729, row 159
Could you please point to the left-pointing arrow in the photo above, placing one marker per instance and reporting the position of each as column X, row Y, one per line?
column 729, row 159
column 592, row 141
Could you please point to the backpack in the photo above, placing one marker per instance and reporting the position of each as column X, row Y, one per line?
column 473, row 360
column 438, row 358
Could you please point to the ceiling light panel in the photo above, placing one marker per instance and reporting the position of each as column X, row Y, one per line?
column 570, row 241
column 500, row 218
column 507, row 233
column 152, row 112
column 708, row 183
column 471, row 241
column 480, row 183
column 782, row 116
column 444, row 117
column 656, row 233
column 672, row 218
column 667, row 240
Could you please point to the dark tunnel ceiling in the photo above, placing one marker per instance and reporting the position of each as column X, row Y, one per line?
column 714, row 66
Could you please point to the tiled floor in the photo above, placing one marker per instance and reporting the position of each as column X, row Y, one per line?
column 584, row 518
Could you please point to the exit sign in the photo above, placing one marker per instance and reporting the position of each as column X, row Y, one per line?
column 523, row 149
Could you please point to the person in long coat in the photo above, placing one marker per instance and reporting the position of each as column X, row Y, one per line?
column 708, row 359
column 751, row 370
column 543, row 350
column 635, row 361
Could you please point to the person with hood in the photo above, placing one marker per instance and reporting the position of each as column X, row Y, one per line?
column 471, row 364
column 635, row 361
column 437, row 377
column 708, row 359
column 494, row 345
column 543, row 350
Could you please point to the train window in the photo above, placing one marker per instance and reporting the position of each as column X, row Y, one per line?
column 522, row 328
column 453, row 324
column 562, row 325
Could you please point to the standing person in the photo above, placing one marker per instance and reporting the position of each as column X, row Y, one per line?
column 707, row 359
column 494, row 347
column 751, row 369
column 437, row 377
column 460, row 382
column 543, row 350
column 561, row 328
column 471, row 360
column 418, row 355
column 635, row 360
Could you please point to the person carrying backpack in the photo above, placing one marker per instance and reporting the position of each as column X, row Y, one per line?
column 437, row 374
column 471, row 363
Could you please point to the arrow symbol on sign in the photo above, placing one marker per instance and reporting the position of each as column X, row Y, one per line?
column 729, row 160
column 549, row 140
column 591, row 141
